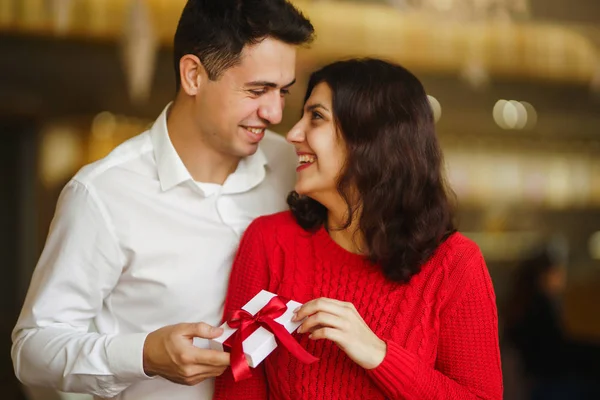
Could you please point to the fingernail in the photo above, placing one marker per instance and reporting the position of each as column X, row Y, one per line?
column 297, row 309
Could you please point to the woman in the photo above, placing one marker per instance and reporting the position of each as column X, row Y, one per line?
column 397, row 304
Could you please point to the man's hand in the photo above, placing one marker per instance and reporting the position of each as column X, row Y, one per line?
column 169, row 352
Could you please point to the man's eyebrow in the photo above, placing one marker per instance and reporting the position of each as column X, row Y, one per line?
column 269, row 84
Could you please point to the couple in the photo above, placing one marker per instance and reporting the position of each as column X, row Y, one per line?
column 397, row 303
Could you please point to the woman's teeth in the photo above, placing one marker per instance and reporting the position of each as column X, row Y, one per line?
column 306, row 158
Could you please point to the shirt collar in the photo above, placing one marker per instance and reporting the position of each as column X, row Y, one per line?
column 171, row 171
column 249, row 173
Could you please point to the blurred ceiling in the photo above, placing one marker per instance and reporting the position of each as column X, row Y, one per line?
column 107, row 51
column 568, row 12
column 553, row 41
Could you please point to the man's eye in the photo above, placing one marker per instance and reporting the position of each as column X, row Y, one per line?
column 257, row 92
column 285, row 92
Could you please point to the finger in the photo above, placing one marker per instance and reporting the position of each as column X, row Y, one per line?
column 321, row 319
column 212, row 373
column 197, row 374
column 330, row 306
column 196, row 379
column 191, row 381
column 335, row 335
column 202, row 330
column 210, row 357
column 312, row 307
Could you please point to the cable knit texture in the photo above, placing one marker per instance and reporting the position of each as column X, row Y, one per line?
column 441, row 328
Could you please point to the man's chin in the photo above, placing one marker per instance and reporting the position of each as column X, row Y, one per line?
column 247, row 150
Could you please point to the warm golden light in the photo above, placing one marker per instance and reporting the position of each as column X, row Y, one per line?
column 523, row 49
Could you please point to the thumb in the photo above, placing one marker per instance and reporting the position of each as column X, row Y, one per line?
column 204, row 330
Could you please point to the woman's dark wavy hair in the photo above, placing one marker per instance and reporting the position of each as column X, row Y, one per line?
column 394, row 162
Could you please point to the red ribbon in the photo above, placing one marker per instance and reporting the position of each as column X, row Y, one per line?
column 247, row 323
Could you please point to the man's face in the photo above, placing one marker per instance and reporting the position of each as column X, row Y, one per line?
column 234, row 110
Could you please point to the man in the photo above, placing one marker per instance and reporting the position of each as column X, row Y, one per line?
column 142, row 241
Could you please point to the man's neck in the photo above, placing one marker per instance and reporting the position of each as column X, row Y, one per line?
column 204, row 163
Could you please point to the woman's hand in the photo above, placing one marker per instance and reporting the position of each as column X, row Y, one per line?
column 340, row 322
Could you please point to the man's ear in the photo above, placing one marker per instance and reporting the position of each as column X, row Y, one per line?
column 192, row 74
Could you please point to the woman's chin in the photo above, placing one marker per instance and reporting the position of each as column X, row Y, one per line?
column 315, row 192
column 306, row 187
column 300, row 190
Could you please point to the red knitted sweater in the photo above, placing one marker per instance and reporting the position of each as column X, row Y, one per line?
column 441, row 328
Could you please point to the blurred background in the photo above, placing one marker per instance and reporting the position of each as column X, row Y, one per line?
column 515, row 88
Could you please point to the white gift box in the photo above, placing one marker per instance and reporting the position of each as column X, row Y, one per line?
column 261, row 342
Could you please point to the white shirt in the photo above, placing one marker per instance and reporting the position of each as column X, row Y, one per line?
column 136, row 244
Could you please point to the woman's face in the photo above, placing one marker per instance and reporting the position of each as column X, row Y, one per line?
column 321, row 150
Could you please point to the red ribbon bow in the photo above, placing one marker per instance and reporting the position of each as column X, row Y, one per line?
column 247, row 323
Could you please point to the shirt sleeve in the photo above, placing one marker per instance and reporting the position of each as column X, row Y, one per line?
column 79, row 266
column 249, row 275
column 468, row 359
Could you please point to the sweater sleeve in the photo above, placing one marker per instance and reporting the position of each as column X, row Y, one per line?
column 468, row 356
column 249, row 275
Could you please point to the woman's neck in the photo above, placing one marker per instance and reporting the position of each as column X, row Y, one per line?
column 349, row 238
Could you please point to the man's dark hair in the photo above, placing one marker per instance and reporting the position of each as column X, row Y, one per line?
column 217, row 30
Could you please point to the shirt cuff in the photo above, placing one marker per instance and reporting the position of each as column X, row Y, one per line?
column 396, row 373
column 126, row 357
